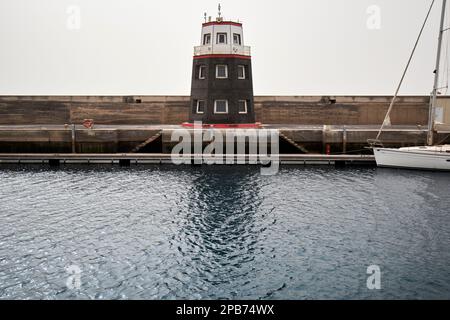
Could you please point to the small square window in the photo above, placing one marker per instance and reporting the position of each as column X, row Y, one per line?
column 241, row 72
column 242, row 106
column 207, row 39
column 202, row 72
column 201, row 106
column 221, row 38
column 221, row 71
column 237, row 39
column 221, row 106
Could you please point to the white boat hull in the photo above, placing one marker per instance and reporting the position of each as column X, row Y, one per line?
column 425, row 158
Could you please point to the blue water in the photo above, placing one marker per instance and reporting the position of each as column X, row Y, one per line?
column 223, row 233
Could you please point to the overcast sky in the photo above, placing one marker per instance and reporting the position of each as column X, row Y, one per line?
column 143, row 47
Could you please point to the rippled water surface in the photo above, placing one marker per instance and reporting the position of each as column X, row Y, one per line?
column 222, row 232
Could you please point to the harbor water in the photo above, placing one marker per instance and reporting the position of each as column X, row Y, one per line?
column 223, row 232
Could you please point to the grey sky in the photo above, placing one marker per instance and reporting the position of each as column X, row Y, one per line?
column 299, row 47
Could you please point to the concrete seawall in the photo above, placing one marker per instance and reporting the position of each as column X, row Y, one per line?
column 123, row 139
column 42, row 124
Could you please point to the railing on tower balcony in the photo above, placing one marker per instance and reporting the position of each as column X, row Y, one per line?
column 222, row 49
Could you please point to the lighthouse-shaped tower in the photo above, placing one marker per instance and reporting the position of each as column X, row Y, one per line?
column 222, row 86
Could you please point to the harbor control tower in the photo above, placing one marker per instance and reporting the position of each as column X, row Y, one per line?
column 222, row 85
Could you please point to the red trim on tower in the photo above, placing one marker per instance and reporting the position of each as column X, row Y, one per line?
column 237, row 56
column 226, row 23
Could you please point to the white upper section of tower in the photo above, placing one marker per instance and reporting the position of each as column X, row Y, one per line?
column 222, row 37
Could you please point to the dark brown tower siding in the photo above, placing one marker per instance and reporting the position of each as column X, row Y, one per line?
column 231, row 89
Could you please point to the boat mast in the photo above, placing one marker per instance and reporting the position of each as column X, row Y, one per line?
column 375, row 141
column 436, row 79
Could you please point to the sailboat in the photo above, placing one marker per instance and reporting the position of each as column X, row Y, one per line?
column 430, row 156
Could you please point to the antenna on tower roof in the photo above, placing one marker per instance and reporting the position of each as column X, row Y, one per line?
column 220, row 8
column 206, row 17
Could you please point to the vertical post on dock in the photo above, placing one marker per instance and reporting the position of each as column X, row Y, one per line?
column 344, row 140
column 73, row 139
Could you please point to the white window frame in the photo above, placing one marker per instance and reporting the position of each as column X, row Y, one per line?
column 246, row 107
column 198, row 105
column 206, row 36
column 243, row 71
column 217, row 71
column 218, row 37
column 200, row 72
column 239, row 37
column 215, row 106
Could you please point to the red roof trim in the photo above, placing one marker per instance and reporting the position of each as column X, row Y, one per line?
column 227, row 23
column 237, row 56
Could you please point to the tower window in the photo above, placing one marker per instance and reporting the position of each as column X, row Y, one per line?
column 221, row 106
column 201, row 106
column 237, row 39
column 242, row 106
column 207, row 39
column 241, row 72
column 221, row 38
column 202, row 72
column 221, row 71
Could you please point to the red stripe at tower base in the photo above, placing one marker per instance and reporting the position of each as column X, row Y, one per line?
column 255, row 125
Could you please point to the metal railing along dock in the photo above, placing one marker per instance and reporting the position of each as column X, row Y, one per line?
column 163, row 158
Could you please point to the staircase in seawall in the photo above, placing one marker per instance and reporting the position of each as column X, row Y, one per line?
column 146, row 142
column 292, row 142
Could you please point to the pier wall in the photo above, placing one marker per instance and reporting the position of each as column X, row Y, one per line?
column 36, row 124
column 140, row 110
column 124, row 139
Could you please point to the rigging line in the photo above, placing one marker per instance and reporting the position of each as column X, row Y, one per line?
column 444, row 80
column 446, row 58
column 404, row 72
column 350, row 151
column 443, row 140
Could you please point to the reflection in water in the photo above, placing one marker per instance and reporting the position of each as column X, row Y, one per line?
column 225, row 224
column 219, row 227
column 223, row 232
